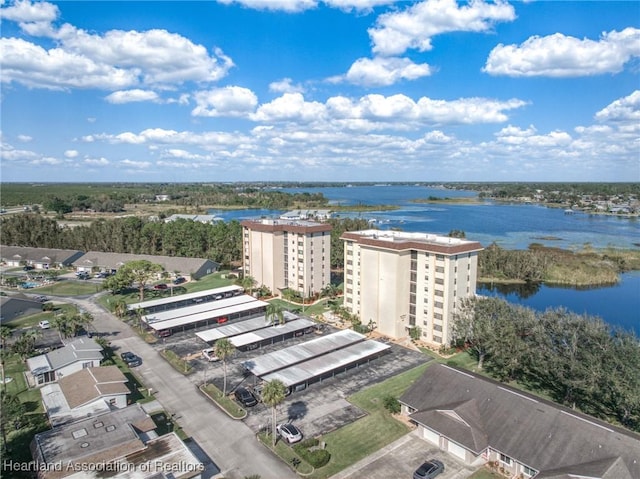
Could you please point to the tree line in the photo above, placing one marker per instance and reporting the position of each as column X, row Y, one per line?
column 578, row 360
column 220, row 241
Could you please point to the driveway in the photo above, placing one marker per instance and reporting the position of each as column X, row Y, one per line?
column 230, row 444
column 400, row 458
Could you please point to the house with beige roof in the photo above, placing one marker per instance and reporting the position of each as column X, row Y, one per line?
column 86, row 392
column 119, row 444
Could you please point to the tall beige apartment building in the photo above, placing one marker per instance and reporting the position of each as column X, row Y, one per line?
column 292, row 254
column 395, row 281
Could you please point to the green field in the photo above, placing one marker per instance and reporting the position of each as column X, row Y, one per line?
column 347, row 444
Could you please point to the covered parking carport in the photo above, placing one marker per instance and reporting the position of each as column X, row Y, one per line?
column 273, row 334
column 206, row 314
column 238, row 328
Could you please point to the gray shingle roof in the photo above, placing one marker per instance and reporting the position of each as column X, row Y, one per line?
column 187, row 266
column 38, row 255
column 547, row 437
column 79, row 349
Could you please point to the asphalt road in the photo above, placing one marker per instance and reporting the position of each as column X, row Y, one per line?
column 230, row 444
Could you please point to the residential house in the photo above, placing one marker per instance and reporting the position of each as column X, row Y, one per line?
column 479, row 420
column 119, row 444
column 17, row 305
column 207, row 219
column 86, row 392
column 39, row 258
column 194, row 268
column 306, row 215
column 77, row 354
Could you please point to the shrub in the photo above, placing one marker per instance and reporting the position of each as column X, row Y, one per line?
column 317, row 457
column 391, row 404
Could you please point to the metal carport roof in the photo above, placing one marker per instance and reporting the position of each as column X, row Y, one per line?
column 241, row 327
column 199, row 308
column 271, row 332
column 181, row 297
column 303, row 372
column 194, row 318
column 302, row 352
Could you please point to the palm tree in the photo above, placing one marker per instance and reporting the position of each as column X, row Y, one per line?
column 140, row 313
column 275, row 314
column 272, row 395
column 248, row 283
column 64, row 325
column 120, row 308
column 224, row 350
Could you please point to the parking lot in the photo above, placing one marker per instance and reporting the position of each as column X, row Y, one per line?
column 320, row 408
column 400, row 458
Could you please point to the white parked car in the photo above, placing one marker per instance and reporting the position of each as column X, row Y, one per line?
column 44, row 324
column 209, row 355
column 289, row 433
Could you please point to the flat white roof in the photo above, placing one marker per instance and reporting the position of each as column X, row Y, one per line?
column 301, row 352
column 193, row 318
column 210, row 306
column 240, row 327
column 181, row 297
column 271, row 332
column 323, row 364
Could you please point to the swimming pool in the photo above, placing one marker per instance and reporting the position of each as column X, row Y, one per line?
column 29, row 284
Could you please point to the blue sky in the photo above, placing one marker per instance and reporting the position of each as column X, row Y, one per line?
column 320, row 90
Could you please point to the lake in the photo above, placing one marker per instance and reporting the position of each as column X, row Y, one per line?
column 512, row 226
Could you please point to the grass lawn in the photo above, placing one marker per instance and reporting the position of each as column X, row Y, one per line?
column 33, row 319
column 177, row 362
column 312, row 310
column 211, row 281
column 68, row 288
column 286, row 454
column 346, row 444
column 229, row 405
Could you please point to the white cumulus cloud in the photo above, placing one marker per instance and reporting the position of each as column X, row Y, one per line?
column 129, row 96
column 384, row 71
column 625, row 109
column 413, row 27
column 231, row 101
column 559, row 55
column 115, row 60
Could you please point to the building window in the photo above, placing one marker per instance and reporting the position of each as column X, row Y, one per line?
column 505, row 459
column 437, row 327
column 528, row 471
column 437, row 339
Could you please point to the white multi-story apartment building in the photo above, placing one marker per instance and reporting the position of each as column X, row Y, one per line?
column 395, row 281
column 287, row 254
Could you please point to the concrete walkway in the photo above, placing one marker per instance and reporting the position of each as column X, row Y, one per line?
column 230, row 444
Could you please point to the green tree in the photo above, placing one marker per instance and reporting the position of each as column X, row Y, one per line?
column 13, row 411
column 64, row 324
column 275, row 314
column 248, row 283
column 26, row 343
column 224, row 350
column 5, row 333
column 120, row 308
column 141, row 272
column 273, row 394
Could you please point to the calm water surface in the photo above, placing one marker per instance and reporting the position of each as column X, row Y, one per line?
column 513, row 226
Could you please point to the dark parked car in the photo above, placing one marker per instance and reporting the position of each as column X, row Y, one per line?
column 429, row 469
column 244, row 397
column 179, row 280
column 160, row 286
column 164, row 333
column 131, row 359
